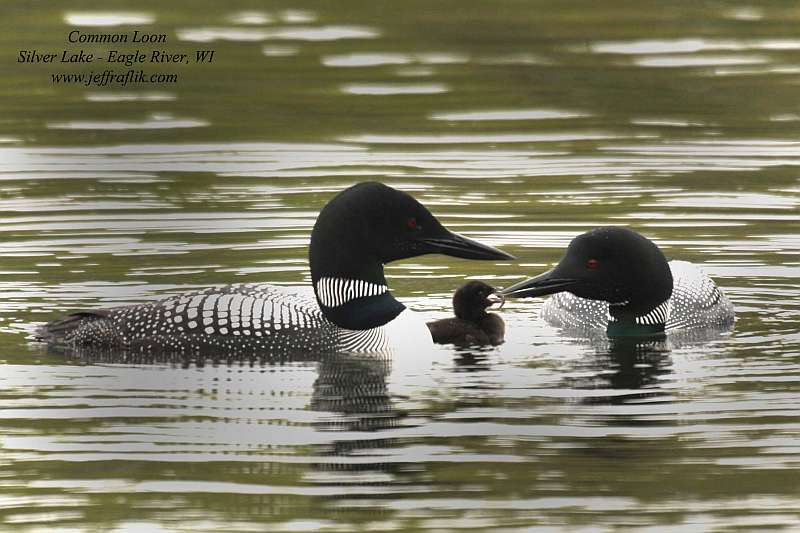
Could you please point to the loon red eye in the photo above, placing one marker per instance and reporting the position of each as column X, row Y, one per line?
column 592, row 264
column 412, row 224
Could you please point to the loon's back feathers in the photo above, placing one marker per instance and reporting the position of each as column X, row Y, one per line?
column 237, row 319
column 696, row 300
column 63, row 331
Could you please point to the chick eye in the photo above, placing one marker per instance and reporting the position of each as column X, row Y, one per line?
column 412, row 224
column 592, row 264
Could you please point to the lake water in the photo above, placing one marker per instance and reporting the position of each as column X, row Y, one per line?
column 520, row 124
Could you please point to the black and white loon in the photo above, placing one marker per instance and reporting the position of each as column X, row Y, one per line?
column 356, row 233
column 616, row 279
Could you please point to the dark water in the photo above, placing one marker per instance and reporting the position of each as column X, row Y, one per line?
column 520, row 124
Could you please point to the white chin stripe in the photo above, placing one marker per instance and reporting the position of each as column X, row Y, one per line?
column 333, row 292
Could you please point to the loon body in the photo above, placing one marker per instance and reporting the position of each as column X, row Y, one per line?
column 696, row 302
column 472, row 325
column 351, row 309
column 612, row 278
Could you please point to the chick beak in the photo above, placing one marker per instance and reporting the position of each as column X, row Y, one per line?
column 496, row 298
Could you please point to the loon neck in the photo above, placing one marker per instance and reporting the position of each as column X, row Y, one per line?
column 471, row 315
column 631, row 329
column 365, row 312
column 643, row 299
column 651, row 314
column 351, row 290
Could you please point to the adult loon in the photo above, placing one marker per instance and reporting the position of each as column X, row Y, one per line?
column 617, row 279
column 472, row 324
column 356, row 233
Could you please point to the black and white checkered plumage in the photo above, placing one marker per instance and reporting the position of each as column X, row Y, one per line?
column 696, row 302
column 241, row 319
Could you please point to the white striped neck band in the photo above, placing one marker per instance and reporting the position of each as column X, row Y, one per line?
column 656, row 316
column 333, row 292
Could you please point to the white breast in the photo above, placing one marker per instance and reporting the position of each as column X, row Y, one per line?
column 408, row 331
column 405, row 333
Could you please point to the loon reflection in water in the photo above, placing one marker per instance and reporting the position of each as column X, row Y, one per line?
column 356, row 233
column 614, row 279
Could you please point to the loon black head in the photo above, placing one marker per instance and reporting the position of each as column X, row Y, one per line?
column 472, row 299
column 361, row 229
column 611, row 263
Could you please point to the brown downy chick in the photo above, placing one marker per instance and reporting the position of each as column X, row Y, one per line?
column 472, row 324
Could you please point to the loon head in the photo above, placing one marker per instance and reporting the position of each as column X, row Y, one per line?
column 361, row 229
column 472, row 299
column 613, row 264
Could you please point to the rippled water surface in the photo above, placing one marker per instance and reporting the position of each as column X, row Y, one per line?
column 520, row 124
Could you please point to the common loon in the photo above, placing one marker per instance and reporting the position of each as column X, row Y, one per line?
column 472, row 324
column 356, row 233
column 618, row 280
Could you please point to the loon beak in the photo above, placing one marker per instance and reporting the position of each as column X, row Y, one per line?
column 496, row 298
column 456, row 245
column 548, row 283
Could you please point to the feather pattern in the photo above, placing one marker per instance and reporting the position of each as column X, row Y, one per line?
column 696, row 302
column 234, row 320
column 333, row 292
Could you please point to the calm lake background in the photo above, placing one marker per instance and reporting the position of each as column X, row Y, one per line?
column 519, row 123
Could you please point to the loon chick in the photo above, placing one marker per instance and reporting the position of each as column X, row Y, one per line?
column 472, row 324
column 356, row 233
column 621, row 281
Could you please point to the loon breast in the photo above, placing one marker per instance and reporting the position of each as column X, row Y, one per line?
column 696, row 302
column 405, row 332
column 240, row 319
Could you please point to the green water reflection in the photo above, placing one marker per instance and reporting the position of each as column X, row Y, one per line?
column 519, row 123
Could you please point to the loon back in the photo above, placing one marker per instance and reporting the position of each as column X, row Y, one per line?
column 240, row 319
column 696, row 302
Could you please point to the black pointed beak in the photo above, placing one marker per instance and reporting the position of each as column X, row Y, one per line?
column 548, row 283
column 456, row 245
